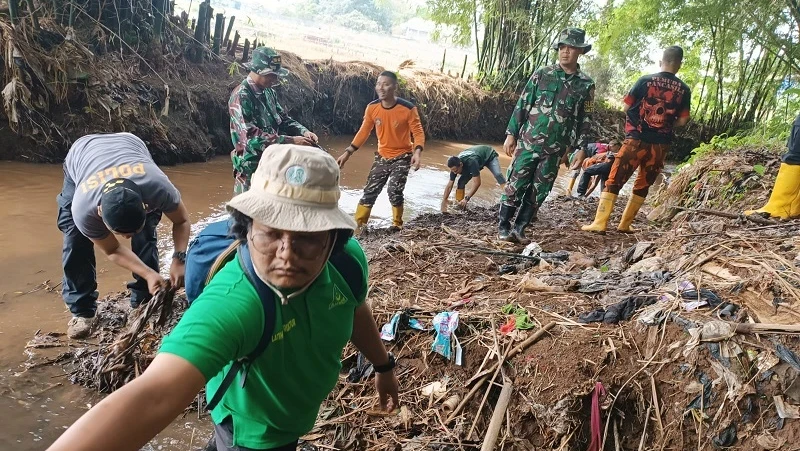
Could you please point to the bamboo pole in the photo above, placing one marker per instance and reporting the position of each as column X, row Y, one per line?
column 199, row 32
column 228, row 33
column 235, row 45
column 464, row 67
column 34, row 15
column 218, row 26
column 246, row 52
column 13, row 11
column 207, row 24
column 444, row 58
column 158, row 18
column 498, row 416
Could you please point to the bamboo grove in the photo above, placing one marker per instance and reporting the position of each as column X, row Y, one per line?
column 742, row 56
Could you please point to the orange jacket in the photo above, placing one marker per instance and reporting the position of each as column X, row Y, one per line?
column 394, row 127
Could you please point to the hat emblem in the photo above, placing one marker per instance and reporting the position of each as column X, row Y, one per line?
column 296, row 175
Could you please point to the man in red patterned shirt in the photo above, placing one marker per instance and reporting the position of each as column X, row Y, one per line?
column 655, row 105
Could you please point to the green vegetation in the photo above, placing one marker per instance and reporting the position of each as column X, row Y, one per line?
column 741, row 56
column 363, row 15
column 511, row 38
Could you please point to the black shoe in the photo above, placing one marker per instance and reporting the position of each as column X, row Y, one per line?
column 504, row 226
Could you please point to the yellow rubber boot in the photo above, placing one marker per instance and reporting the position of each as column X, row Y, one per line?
column 459, row 195
column 570, row 186
column 362, row 215
column 397, row 217
column 634, row 204
column 784, row 201
column 604, row 209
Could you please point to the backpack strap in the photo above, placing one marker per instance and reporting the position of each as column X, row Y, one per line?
column 351, row 272
column 222, row 258
column 267, row 298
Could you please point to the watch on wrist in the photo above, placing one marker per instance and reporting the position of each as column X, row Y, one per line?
column 180, row 256
column 389, row 366
column 467, row 198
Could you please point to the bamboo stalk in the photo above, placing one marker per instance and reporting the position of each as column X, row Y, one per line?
column 13, row 11
column 33, row 13
column 235, row 45
column 228, row 33
column 497, row 416
column 246, row 52
column 218, row 27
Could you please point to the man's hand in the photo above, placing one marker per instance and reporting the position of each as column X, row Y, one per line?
column 301, row 140
column 444, row 206
column 510, row 145
column 155, row 282
column 343, row 158
column 313, row 137
column 462, row 203
column 387, row 387
column 565, row 159
column 416, row 159
column 176, row 273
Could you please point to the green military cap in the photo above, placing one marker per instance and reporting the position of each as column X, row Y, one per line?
column 266, row 61
column 573, row 37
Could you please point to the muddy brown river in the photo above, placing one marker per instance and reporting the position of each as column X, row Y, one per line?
column 38, row 404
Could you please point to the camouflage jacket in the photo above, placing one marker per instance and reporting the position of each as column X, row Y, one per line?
column 257, row 121
column 554, row 111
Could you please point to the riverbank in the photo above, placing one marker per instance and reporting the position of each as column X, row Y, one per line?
column 633, row 313
column 56, row 93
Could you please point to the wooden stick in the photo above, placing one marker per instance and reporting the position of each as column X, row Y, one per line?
column 656, row 407
column 724, row 214
column 513, row 352
column 497, row 416
column 644, row 427
column 754, row 328
column 491, row 252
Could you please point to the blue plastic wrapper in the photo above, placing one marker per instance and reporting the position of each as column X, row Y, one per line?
column 445, row 324
column 389, row 330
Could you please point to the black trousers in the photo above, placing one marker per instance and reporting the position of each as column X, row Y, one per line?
column 600, row 169
column 79, row 285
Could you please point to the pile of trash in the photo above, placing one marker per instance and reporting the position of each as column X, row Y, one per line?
column 682, row 337
column 569, row 342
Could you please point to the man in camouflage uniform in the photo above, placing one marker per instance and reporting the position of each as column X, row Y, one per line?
column 553, row 113
column 258, row 120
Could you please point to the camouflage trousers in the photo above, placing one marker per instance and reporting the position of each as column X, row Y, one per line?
column 530, row 178
column 647, row 157
column 394, row 170
column 243, row 169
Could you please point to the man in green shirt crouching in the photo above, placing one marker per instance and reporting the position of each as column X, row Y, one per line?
column 292, row 226
column 467, row 165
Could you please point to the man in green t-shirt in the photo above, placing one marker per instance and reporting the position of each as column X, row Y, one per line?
column 466, row 165
column 292, row 224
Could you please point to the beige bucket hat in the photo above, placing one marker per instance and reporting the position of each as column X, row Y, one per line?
column 295, row 188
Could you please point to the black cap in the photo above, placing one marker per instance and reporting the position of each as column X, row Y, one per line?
column 122, row 206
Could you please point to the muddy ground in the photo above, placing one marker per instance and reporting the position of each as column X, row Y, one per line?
column 661, row 381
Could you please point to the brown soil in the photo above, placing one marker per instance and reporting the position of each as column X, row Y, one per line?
column 418, row 271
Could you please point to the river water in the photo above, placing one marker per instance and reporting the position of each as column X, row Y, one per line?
column 38, row 404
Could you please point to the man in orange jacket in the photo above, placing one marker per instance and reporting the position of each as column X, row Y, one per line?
column 395, row 121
